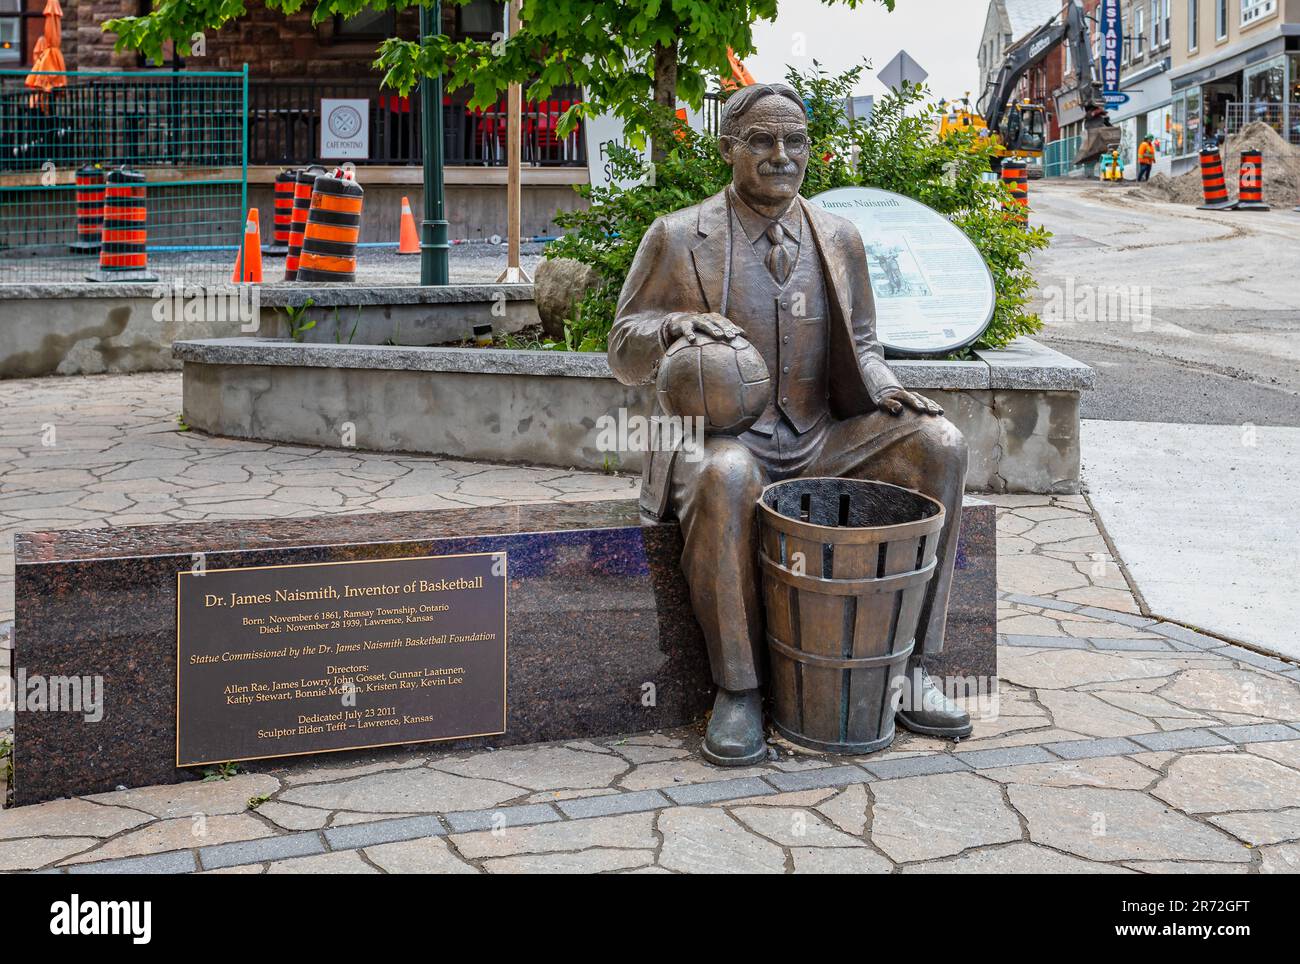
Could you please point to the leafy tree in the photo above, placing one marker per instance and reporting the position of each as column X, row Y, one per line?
column 897, row 151
column 618, row 50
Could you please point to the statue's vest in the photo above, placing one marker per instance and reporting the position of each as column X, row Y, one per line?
column 788, row 324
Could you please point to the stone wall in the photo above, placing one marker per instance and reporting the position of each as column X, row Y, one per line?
column 1018, row 408
column 92, row 329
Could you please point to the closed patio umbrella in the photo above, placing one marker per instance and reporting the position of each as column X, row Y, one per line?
column 47, row 60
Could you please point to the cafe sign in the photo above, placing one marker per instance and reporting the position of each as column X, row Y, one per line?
column 345, row 128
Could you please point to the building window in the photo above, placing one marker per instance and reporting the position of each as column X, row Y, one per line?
column 1252, row 10
column 367, row 25
column 1155, row 24
column 1220, row 19
column 1193, row 24
column 1164, row 23
column 1139, row 28
column 11, row 31
column 480, row 18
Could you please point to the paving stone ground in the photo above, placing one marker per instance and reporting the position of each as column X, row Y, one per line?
column 1115, row 743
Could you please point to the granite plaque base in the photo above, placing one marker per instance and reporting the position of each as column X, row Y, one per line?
column 970, row 646
column 601, row 635
column 602, row 640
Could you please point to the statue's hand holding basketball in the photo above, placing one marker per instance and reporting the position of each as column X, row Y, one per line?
column 709, row 326
column 711, row 372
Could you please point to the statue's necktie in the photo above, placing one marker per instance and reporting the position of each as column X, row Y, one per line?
column 778, row 259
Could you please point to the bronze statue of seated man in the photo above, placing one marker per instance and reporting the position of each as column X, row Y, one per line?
column 759, row 261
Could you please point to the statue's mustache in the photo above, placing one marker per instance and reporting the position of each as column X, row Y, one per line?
column 769, row 169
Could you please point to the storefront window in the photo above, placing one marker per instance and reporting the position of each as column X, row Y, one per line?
column 1178, row 125
column 1266, row 86
column 1159, row 123
column 1185, row 134
column 1193, row 121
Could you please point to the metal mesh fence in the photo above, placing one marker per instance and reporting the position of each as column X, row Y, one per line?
column 184, row 132
column 1283, row 118
column 1058, row 157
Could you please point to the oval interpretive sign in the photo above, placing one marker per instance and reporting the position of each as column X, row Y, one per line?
column 934, row 293
column 284, row 660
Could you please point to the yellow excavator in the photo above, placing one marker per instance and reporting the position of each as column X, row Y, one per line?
column 1020, row 129
column 1027, row 120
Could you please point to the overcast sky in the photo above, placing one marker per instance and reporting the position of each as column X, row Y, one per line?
column 943, row 36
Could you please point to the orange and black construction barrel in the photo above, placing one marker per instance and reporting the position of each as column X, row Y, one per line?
column 1213, row 184
column 303, row 182
column 90, row 209
column 1250, row 194
column 124, row 251
column 1015, row 174
column 329, row 247
column 285, row 183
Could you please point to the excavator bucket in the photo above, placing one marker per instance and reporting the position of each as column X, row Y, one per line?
column 1097, row 141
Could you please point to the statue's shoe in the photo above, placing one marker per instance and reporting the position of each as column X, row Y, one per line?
column 735, row 734
column 927, row 710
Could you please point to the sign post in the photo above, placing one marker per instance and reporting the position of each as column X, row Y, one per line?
column 902, row 70
column 514, row 273
column 435, row 250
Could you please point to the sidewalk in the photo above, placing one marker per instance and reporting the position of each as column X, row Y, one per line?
column 1203, row 517
column 1118, row 743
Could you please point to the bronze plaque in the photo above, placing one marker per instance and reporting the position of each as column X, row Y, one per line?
column 313, row 658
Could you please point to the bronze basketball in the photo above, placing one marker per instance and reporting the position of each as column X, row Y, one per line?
column 725, row 383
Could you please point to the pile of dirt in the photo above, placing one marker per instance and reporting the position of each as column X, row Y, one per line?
column 1281, row 171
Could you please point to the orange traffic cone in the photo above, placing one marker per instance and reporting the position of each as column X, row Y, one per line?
column 248, row 262
column 409, row 242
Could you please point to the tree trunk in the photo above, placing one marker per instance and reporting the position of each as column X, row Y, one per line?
column 665, row 92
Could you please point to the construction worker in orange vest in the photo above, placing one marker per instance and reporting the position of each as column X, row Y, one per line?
column 1146, row 157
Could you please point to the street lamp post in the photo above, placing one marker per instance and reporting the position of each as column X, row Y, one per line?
column 434, row 248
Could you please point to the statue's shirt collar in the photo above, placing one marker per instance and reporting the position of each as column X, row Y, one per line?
column 755, row 225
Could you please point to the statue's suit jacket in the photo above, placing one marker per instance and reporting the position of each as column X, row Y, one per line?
column 682, row 267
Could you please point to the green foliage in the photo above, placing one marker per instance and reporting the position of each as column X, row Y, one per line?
column 257, row 801
column 222, row 771
column 299, row 323
column 609, row 47
column 339, row 338
column 897, row 151
column 606, row 234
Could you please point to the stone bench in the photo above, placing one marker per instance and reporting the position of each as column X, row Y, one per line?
column 597, row 609
column 1018, row 407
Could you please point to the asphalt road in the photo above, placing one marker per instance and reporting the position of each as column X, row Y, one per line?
column 1187, row 316
column 1136, row 386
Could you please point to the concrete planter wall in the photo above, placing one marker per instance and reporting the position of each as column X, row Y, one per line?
column 1019, row 408
column 91, row 329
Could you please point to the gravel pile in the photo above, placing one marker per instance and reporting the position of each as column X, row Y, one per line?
column 1281, row 171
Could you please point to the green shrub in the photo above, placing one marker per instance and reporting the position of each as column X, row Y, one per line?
column 607, row 233
column 896, row 151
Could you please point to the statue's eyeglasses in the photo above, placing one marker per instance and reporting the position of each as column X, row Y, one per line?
column 762, row 142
